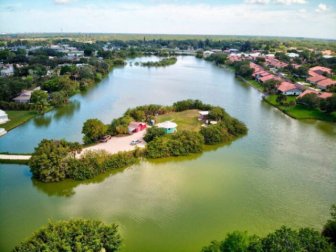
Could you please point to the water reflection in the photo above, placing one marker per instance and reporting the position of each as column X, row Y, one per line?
column 42, row 120
column 67, row 111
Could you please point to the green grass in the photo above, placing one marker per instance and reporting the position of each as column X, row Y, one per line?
column 252, row 83
column 300, row 111
column 185, row 120
column 17, row 117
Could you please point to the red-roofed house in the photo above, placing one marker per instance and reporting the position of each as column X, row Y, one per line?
column 325, row 95
column 287, row 88
column 134, row 127
column 319, row 70
column 322, row 95
column 316, row 78
column 324, row 84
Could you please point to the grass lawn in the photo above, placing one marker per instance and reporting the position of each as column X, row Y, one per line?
column 300, row 111
column 253, row 83
column 17, row 117
column 185, row 120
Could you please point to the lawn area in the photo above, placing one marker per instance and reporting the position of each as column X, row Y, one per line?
column 300, row 111
column 185, row 120
column 17, row 117
column 253, row 83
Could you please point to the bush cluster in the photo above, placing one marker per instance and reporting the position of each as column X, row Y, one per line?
column 17, row 106
column 73, row 235
column 283, row 239
column 164, row 62
column 179, row 144
column 54, row 161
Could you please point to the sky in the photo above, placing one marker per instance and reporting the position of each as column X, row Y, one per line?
column 292, row 18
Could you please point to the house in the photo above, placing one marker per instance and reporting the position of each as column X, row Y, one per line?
column 134, row 127
column 316, row 78
column 322, row 95
column 3, row 117
column 287, row 88
column 268, row 77
column 203, row 115
column 25, row 95
column 326, row 83
column 2, row 131
column 319, row 70
column 207, row 53
column 7, row 70
column 168, row 126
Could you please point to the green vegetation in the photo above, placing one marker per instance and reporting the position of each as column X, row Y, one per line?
column 73, row 235
column 160, row 63
column 300, row 111
column 181, row 143
column 93, row 130
column 185, row 120
column 54, row 161
column 329, row 229
column 17, row 118
column 283, row 239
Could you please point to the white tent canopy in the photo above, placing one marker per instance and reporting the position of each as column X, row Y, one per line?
column 167, row 125
column 3, row 117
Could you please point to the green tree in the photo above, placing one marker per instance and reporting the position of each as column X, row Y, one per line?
column 59, row 98
column 47, row 163
column 73, row 235
column 153, row 133
column 310, row 100
column 329, row 229
column 93, row 129
column 40, row 99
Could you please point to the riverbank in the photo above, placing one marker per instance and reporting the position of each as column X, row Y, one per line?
column 299, row 111
column 17, row 117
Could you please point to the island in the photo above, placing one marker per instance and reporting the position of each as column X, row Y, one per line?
column 166, row 131
column 161, row 63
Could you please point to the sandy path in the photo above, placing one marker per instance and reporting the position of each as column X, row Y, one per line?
column 117, row 144
column 15, row 157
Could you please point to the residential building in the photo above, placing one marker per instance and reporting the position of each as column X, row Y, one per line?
column 168, row 126
column 287, row 88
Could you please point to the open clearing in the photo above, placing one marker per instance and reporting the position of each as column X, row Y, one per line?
column 185, row 120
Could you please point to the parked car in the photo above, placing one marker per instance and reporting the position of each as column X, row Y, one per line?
column 135, row 142
column 104, row 139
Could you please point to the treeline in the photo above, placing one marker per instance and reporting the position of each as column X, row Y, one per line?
column 73, row 235
column 312, row 101
column 283, row 239
column 163, row 62
column 54, row 161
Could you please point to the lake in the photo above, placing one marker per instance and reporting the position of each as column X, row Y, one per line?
column 282, row 173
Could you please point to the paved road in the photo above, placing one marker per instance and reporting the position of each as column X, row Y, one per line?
column 15, row 157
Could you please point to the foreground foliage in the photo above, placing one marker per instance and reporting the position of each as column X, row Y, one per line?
column 73, row 235
column 55, row 161
column 283, row 239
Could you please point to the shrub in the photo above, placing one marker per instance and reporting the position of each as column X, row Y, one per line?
column 214, row 134
column 47, row 163
column 119, row 126
column 153, row 133
column 93, row 130
column 179, row 144
column 190, row 104
column 73, row 235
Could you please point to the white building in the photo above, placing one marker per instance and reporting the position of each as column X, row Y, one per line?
column 7, row 70
column 3, row 117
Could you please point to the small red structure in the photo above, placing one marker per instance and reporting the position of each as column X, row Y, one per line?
column 134, row 127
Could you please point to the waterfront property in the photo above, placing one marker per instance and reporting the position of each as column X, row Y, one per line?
column 287, row 88
column 168, row 126
column 135, row 127
column 3, row 117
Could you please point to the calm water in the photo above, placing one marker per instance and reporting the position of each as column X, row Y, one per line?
column 283, row 172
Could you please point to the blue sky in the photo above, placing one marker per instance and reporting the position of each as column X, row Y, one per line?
column 296, row 18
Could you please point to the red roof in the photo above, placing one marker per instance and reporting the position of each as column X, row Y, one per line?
column 308, row 91
column 325, row 95
column 286, row 86
column 326, row 82
column 267, row 77
column 319, row 70
column 322, row 95
column 316, row 78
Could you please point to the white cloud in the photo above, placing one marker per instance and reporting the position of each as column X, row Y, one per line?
column 321, row 8
column 288, row 2
column 62, row 1
column 241, row 19
column 257, row 1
